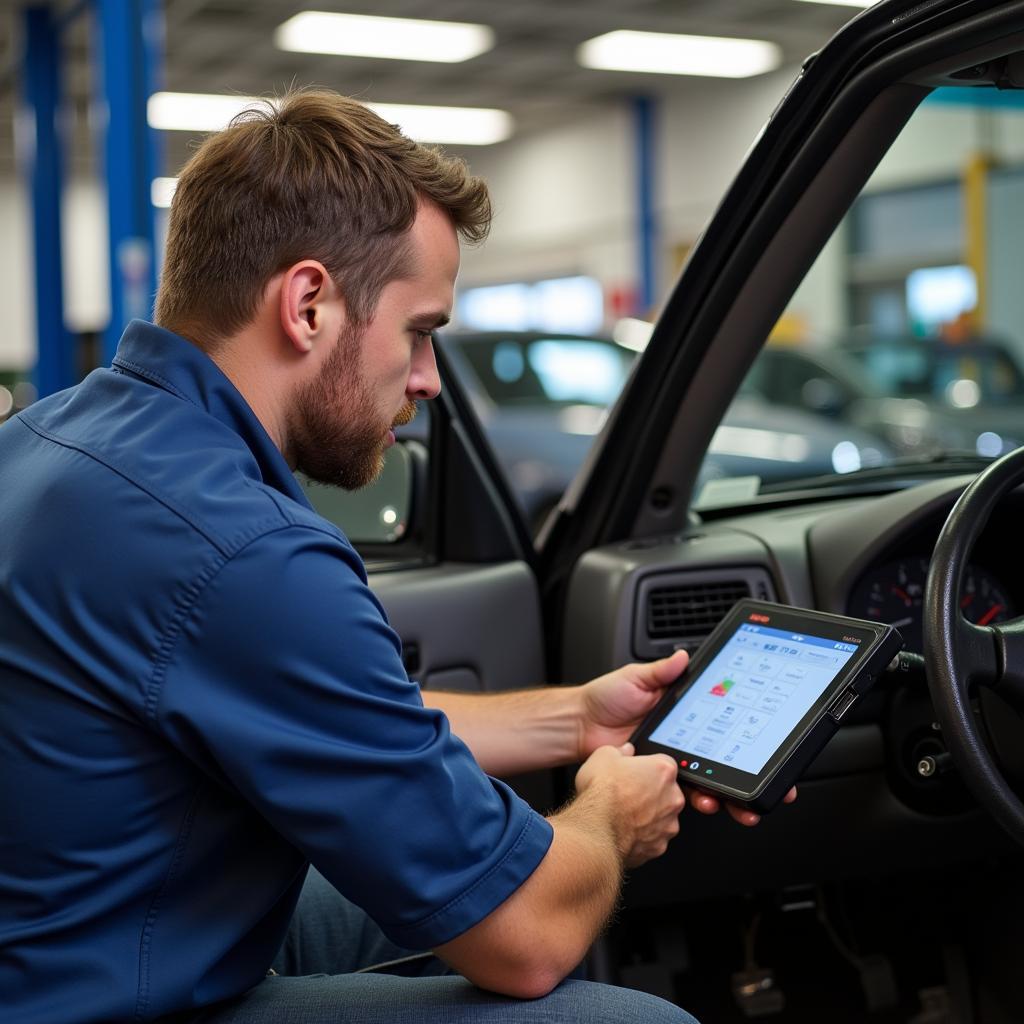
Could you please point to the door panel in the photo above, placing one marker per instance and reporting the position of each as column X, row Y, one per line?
column 467, row 627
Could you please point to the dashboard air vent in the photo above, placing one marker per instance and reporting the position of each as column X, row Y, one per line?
column 679, row 609
column 689, row 611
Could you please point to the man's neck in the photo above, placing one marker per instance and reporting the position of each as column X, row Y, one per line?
column 251, row 362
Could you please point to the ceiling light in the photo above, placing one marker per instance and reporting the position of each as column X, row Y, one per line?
column 359, row 35
column 459, row 126
column 161, row 191
column 454, row 126
column 666, row 54
column 194, row 111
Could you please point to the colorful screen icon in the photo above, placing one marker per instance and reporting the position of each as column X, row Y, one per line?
column 722, row 688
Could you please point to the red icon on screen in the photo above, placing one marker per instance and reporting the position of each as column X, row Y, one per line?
column 683, row 764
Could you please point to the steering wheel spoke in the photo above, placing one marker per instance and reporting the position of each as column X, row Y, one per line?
column 1009, row 642
column 978, row 654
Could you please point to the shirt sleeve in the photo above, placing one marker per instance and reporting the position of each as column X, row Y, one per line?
column 285, row 683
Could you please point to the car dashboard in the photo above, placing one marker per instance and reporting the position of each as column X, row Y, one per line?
column 864, row 808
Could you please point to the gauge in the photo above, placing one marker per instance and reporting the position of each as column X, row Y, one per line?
column 982, row 599
column 894, row 593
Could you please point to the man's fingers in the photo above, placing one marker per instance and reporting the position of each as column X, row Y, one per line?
column 656, row 675
column 667, row 670
column 705, row 803
column 742, row 815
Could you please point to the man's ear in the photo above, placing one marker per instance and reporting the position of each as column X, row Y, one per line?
column 309, row 305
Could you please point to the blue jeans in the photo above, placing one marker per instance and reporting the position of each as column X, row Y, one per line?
column 337, row 967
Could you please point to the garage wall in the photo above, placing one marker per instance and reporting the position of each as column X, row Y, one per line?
column 941, row 138
column 563, row 203
column 564, row 200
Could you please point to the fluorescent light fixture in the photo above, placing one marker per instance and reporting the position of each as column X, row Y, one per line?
column 453, row 126
column 843, row 3
column 459, row 126
column 194, row 111
column 358, row 35
column 667, row 54
column 161, row 191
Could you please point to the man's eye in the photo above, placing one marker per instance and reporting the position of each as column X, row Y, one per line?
column 422, row 335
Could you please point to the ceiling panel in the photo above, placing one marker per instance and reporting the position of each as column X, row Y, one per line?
column 227, row 45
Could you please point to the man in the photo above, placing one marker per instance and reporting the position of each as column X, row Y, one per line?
column 198, row 693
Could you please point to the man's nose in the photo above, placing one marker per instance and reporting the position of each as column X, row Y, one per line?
column 424, row 381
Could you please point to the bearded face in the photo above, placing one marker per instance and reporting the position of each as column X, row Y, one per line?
column 340, row 432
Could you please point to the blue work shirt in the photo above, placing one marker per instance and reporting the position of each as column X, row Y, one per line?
column 198, row 696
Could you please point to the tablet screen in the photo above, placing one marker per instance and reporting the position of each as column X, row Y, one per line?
column 752, row 695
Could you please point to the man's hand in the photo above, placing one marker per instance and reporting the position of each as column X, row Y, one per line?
column 641, row 797
column 625, row 812
column 616, row 703
column 708, row 804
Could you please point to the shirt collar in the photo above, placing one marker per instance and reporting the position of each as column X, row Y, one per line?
column 176, row 365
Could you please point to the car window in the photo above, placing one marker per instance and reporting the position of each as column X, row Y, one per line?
column 542, row 399
column 906, row 338
column 527, row 369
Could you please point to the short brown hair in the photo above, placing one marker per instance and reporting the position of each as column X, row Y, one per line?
column 314, row 175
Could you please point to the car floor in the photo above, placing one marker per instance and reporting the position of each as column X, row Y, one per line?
column 924, row 948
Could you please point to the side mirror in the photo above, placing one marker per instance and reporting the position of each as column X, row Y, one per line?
column 386, row 511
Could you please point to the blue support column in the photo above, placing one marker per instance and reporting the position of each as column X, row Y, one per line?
column 644, row 111
column 55, row 363
column 131, row 47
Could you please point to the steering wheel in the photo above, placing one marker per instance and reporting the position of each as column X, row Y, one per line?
column 963, row 660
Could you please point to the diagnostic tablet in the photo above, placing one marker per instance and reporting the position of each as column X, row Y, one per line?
column 762, row 697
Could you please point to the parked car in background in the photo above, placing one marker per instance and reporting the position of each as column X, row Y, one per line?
column 543, row 397
column 922, row 395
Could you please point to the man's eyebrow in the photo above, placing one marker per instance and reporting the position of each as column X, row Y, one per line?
column 432, row 321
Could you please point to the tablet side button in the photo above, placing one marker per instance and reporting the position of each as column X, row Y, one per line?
column 842, row 704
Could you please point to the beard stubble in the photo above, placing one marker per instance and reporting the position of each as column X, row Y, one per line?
column 339, row 435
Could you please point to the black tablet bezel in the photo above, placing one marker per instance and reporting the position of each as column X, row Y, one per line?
column 871, row 638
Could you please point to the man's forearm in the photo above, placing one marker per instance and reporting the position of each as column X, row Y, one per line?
column 516, row 731
column 545, row 928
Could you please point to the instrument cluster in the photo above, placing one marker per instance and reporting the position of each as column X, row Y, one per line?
column 893, row 592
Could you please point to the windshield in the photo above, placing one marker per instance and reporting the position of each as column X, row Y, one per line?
column 906, row 338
